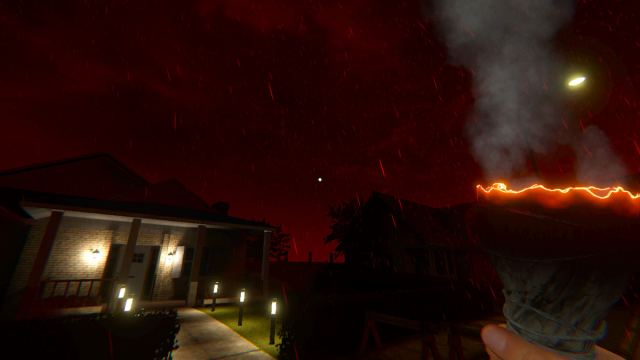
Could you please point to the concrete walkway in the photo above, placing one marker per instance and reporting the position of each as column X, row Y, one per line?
column 202, row 337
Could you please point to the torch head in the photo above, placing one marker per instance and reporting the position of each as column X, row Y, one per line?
column 564, row 260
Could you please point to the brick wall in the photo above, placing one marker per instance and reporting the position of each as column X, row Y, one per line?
column 164, row 285
column 71, row 256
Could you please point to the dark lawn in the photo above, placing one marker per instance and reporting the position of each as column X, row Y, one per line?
column 255, row 324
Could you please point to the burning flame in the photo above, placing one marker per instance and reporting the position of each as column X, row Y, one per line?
column 596, row 192
column 612, row 197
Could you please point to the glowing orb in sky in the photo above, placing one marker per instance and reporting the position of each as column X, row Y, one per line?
column 576, row 81
column 319, row 179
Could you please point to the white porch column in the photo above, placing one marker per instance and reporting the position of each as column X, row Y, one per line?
column 33, row 282
column 195, row 266
column 123, row 272
column 134, row 231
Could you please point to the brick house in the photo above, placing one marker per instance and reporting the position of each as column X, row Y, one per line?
column 73, row 230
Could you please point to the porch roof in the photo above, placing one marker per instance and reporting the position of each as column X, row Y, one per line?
column 39, row 204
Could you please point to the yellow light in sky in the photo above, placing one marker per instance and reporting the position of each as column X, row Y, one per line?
column 576, row 81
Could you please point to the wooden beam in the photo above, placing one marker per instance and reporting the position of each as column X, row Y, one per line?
column 427, row 330
column 396, row 321
column 264, row 274
column 455, row 344
column 31, row 291
column 195, row 266
column 197, row 252
column 370, row 329
column 429, row 344
column 134, row 231
column 122, row 276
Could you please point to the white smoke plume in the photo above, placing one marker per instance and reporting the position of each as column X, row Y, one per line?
column 596, row 162
column 508, row 46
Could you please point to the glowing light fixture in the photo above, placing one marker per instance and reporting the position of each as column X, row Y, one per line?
column 121, row 292
column 216, row 289
column 95, row 254
column 576, row 81
column 241, row 306
column 170, row 256
column 272, row 327
column 128, row 305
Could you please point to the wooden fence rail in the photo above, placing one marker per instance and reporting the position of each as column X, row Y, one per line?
column 72, row 292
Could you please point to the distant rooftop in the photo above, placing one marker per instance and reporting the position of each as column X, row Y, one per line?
column 100, row 182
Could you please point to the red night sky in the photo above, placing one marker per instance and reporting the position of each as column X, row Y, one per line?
column 250, row 101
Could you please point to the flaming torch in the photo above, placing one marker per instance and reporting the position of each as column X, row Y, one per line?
column 564, row 257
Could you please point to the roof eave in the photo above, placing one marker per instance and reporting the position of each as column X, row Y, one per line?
column 119, row 215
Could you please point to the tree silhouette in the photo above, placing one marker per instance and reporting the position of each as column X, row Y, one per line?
column 279, row 245
column 346, row 230
column 363, row 233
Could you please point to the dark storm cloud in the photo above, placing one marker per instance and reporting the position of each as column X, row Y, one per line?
column 247, row 101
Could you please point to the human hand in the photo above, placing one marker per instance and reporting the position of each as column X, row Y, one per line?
column 502, row 344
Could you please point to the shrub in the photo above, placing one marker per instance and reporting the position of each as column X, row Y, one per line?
column 144, row 335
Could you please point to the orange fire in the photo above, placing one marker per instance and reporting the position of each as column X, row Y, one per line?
column 616, row 197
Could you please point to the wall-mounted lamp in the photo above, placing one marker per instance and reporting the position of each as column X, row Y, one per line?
column 171, row 256
column 93, row 256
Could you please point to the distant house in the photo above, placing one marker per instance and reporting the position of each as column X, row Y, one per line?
column 73, row 230
column 413, row 238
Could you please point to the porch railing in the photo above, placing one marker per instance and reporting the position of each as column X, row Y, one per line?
column 73, row 292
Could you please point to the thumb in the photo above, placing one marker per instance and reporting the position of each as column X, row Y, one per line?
column 494, row 338
column 507, row 345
